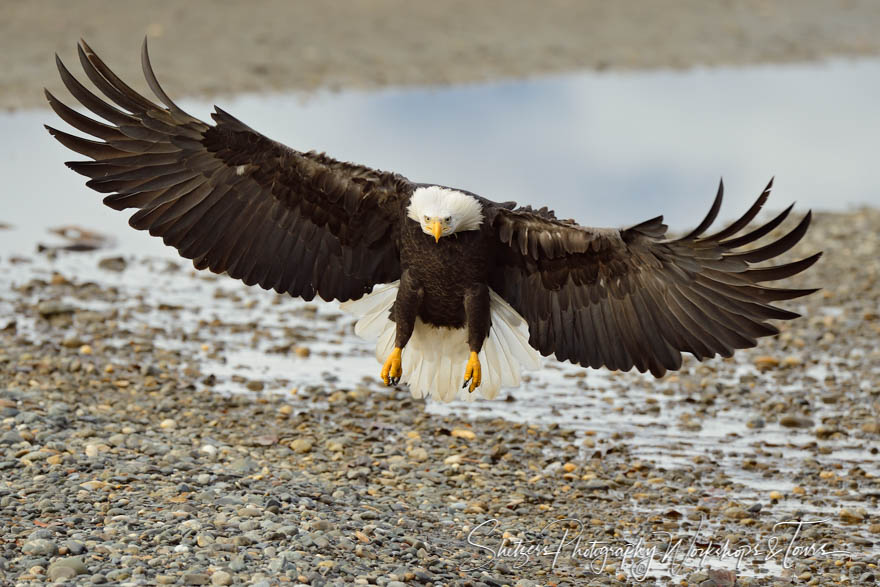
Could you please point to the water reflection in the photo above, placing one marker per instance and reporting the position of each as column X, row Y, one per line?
column 604, row 148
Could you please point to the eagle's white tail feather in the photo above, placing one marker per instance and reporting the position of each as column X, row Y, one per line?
column 493, row 360
column 434, row 360
column 374, row 309
column 516, row 347
column 384, row 345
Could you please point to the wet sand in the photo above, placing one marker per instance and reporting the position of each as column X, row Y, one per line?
column 206, row 48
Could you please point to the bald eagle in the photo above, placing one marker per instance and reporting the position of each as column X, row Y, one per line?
column 448, row 282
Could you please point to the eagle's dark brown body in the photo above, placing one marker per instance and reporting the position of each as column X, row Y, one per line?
column 445, row 283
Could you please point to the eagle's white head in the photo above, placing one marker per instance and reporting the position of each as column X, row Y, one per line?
column 442, row 211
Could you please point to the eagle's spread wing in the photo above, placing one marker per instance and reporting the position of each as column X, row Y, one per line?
column 231, row 199
column 624, row 298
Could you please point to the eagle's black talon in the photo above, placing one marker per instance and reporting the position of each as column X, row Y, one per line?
column 465, row 384
column 473, row 373
column 391, row 370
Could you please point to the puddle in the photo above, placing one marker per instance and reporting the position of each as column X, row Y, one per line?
column 608, row 149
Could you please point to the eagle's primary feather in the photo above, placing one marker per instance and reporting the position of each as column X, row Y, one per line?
column 231, row 199
column 235, row 201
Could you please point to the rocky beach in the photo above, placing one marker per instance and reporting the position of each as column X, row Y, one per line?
column 125, row 460
column 149, row 434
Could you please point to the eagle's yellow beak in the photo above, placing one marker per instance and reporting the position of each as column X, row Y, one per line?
column 436, row 230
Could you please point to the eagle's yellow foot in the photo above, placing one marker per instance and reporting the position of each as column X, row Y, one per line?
column 391, row 370
column 473, row 373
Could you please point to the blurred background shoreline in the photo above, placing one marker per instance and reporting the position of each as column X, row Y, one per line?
column 203, row 48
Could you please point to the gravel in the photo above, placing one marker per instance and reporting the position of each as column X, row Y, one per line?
column 120, row 466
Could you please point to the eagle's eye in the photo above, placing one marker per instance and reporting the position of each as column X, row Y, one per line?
column 448, row 219
column 426, row 218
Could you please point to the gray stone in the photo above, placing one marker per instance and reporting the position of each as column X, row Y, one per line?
column 243, row 466
column 118, row 575
column 322, row 525
column 11, row 437
column 27, row 417
column 597, row 484
column 277, row 565
column 58, row 409
column 67, row 568
column 60, row 573
column 249, row 525
column 74, row 546
column 41, row 533
column 37, row 455
column 230, row 500
column 321, row 542
column 117, row 439
column 40, row 546
column 196, row 579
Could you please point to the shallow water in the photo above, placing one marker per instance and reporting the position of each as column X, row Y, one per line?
column 607, row 149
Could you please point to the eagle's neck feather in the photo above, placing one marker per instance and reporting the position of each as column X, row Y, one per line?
column 439, row 202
